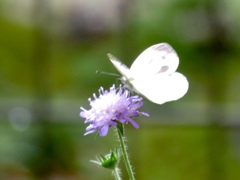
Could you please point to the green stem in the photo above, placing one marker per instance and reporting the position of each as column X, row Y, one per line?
column 116, row 174
column 125, row 156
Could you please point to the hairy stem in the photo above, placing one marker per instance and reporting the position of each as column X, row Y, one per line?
column 125, row 155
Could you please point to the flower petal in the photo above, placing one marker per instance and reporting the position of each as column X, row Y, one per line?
column 104, row 130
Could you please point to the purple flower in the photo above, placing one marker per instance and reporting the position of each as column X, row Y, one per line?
column 111, row 106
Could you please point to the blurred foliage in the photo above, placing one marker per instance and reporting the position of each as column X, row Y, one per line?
column 50, row 51
column 184, row 152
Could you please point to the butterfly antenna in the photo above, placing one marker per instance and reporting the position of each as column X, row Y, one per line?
column 107, row 73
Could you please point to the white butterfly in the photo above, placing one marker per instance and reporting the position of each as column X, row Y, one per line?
column 153, row 74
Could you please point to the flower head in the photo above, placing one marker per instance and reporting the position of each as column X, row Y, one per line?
column 115, row 105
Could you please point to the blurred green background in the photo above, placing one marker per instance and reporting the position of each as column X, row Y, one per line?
column 49, row 53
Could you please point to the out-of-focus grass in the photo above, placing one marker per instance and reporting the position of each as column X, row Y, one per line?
column 159, row 152
column 184, row 152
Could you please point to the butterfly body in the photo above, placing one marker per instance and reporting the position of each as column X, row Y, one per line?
column 153, row 74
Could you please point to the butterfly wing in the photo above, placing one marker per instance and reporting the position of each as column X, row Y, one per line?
column 155, row 77
column 159, row 58
column 162, row 88
column 122, row 68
